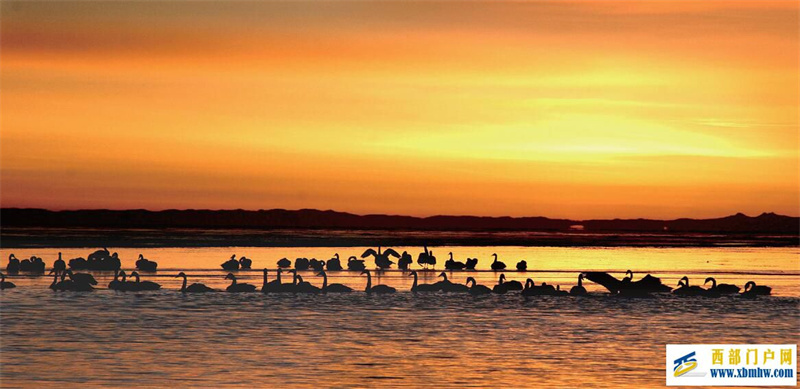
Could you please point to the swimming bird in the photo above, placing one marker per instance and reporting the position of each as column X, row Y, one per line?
column 377, row 289
column 59, row 264
column 503, row 286
column 471, row 263
column 25, row 265
column 284, row 263
column 522, row 265
column 13, row 264
column 54, row 284
column 74, row 284
column 98, row 255
column 404, row 261
column 426, row 258
column 139, row 285
column 448, row 286
column 238, row 288
column 334, row 264
column 145, row 264
column 646, row 285
column 543, row 290
column 497, row 265
column 382, row 260
column 272, row 286
column 422, row 287
column 722, row 288
column 686, row 290
column 452, row 264
column 84, row 278
column 305, row 286
column 245, row 263
column 332, row 288
column 752, row 290
column 354, row 263
column 5, row 284
column 316, row 264
column 231, row 264
column 578, row 290
column 116, row 284
column 79, row 263
column 193, row 288
column 477, row 289
column 301, row 264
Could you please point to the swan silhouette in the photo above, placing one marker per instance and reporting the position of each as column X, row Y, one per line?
column 497, row 265
column 193, row 288
column 140, row 285
column 284, row 263
column 5, row 284
column 626, row 286
column 471, row 263
column 377, row 289
column 543, row 290
column 452, row 264
column 686, row 290
column 334, row 264
column 332, row 288
column 273, row 286
column 422, row 287
column 502, row 286
column 382, row 260
column 446, row 285
column 404, row 261
column 145, row 264
column 477, row 289
column 317, row 265
column 73, row 284
column 238, row 288
column 301, row 264
column 578, row 290
column 354, row 263
column 116, row 284
column 54, row 284
column 721, row 288
column 59, row 264
column 82, row 278
column 13, row 264
column 305, row 287
column 426, row 258
column 752, row 290
column 231, row 264
column 245, row 263
column 522, row 265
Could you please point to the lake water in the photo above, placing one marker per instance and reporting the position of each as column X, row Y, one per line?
column 108, row 338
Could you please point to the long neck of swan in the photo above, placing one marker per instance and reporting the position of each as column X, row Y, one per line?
column 369, row 282
column 324, row 280
column 580, row 281
column 265, row 280
column 183, row 288
column 415, row 280
column 233, row 280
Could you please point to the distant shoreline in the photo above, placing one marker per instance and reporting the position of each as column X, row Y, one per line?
column 37, row 237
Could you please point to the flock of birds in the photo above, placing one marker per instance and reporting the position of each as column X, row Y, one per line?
column 66, row 277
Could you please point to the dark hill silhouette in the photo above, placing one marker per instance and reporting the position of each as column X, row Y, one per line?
column 766, row 223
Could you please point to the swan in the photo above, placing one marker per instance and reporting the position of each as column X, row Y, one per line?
column 378, row 289
column 25, row 265
column 497, row 265
column 305, row 287
column 522, row 265
column 722, row 288
column 143, row 285
column 5, row 284
column 422, row 287
column 73, row 284
column 334, row 263
column 502, row 286
column 686, row 290
column 54, row 284
column 98, row 255
column 272, row 286
column 452, row 264
column 543, row 290
column 630, row 288
column 145, row 264
column 13, row 264
column 560, row 292
column 83, row 278
column 354, row 263
column 448, row 286
column 404, row 261
column 426, row 258
column 471, row 263
column 231, row 264
column 116, row 284
column 238, row 288
column 284, row 263
column 476, row 289
column 193, row 288
column 381, row 258
column 37, row 265
column 752, row 290
column 301, row 264
column 317, row 265
column 59, row 264
column 332, row 288
column 578, row 290
column 245, row 263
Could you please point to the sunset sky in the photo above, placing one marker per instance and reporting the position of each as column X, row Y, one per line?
column 562, row 109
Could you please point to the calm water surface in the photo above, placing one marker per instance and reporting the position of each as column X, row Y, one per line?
column 108, row 338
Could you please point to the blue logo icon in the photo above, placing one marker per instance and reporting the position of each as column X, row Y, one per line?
column 684, row 364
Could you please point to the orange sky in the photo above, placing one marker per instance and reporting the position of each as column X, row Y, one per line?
column 562, row 109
